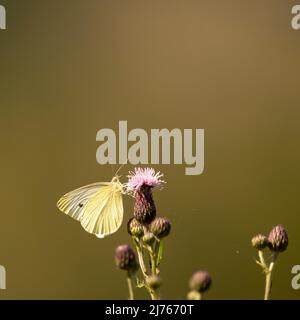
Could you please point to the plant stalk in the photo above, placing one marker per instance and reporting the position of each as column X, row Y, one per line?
column 269, row 270
column 140, row 257
column 153, row 263
column 130, row 287
column 153, row 293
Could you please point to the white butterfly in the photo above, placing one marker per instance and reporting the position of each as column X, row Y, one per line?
column 98, row 207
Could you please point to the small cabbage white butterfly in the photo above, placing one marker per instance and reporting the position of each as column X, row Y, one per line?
column 98, row 207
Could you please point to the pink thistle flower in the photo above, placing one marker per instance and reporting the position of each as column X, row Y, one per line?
column 143, row 177
column 140, row 183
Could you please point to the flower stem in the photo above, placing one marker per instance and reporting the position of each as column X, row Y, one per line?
column 153, row 263
column 262, row 259
column 269, row 270
column 153, row 293
column 130, row 287
column 140, row 257
column 268, row 285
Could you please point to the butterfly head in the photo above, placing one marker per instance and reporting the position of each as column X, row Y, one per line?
column 117, row 184
column 116, row 179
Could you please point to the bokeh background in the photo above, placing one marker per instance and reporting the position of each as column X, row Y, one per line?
column 70, row 68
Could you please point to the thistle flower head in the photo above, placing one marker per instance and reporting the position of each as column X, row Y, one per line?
column 141, row 182
column 135, row 228
column 278, row 239
column 200, row 281
column 154, row 282
column 143, row 177
column 125, row 258
column 160, row 227
column 260, row 241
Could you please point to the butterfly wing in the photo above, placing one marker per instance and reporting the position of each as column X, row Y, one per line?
column 74, row 202
column 103, row 214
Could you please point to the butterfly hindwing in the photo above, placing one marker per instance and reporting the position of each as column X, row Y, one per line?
column 104, row 212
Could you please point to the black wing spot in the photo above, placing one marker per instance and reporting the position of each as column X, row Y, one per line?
column 80, row 205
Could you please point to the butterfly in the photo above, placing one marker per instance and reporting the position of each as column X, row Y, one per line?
column 98, row 206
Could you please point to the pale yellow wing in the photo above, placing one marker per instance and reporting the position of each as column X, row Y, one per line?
column 74, row 202
column 103, row 214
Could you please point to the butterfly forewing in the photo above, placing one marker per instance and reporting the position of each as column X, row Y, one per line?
column 74, row 202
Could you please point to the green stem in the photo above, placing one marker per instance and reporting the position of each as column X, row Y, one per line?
column 140, row 257
column 130, row 287
column 153, row 263
column 268, row 286
column 152, row 260
column 262, row 259
column 153, row 293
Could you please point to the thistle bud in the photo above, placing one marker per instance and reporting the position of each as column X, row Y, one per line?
column 200, row 281
column 134, row 228
column 154, row 282
column 144, row 207
column 278, row 239
column 125, row 258
column 160, row 227
column 260, row 242
column 148, row 238
column 194, row 295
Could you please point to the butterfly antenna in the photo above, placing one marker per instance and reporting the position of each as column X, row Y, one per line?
column 121, row 167
column 112, row 169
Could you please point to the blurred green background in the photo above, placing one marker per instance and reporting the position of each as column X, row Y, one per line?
column 70, row 68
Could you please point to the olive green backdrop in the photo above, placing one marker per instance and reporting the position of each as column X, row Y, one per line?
column 70, row 68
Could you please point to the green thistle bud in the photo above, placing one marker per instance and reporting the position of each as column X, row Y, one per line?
column 260, row 242
column 200, row 281
column 148, row 238
column 125, row 258
column 160, row 227
column 278, row 239
column 134, row 228
column 154, row 282
column 194, row 295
